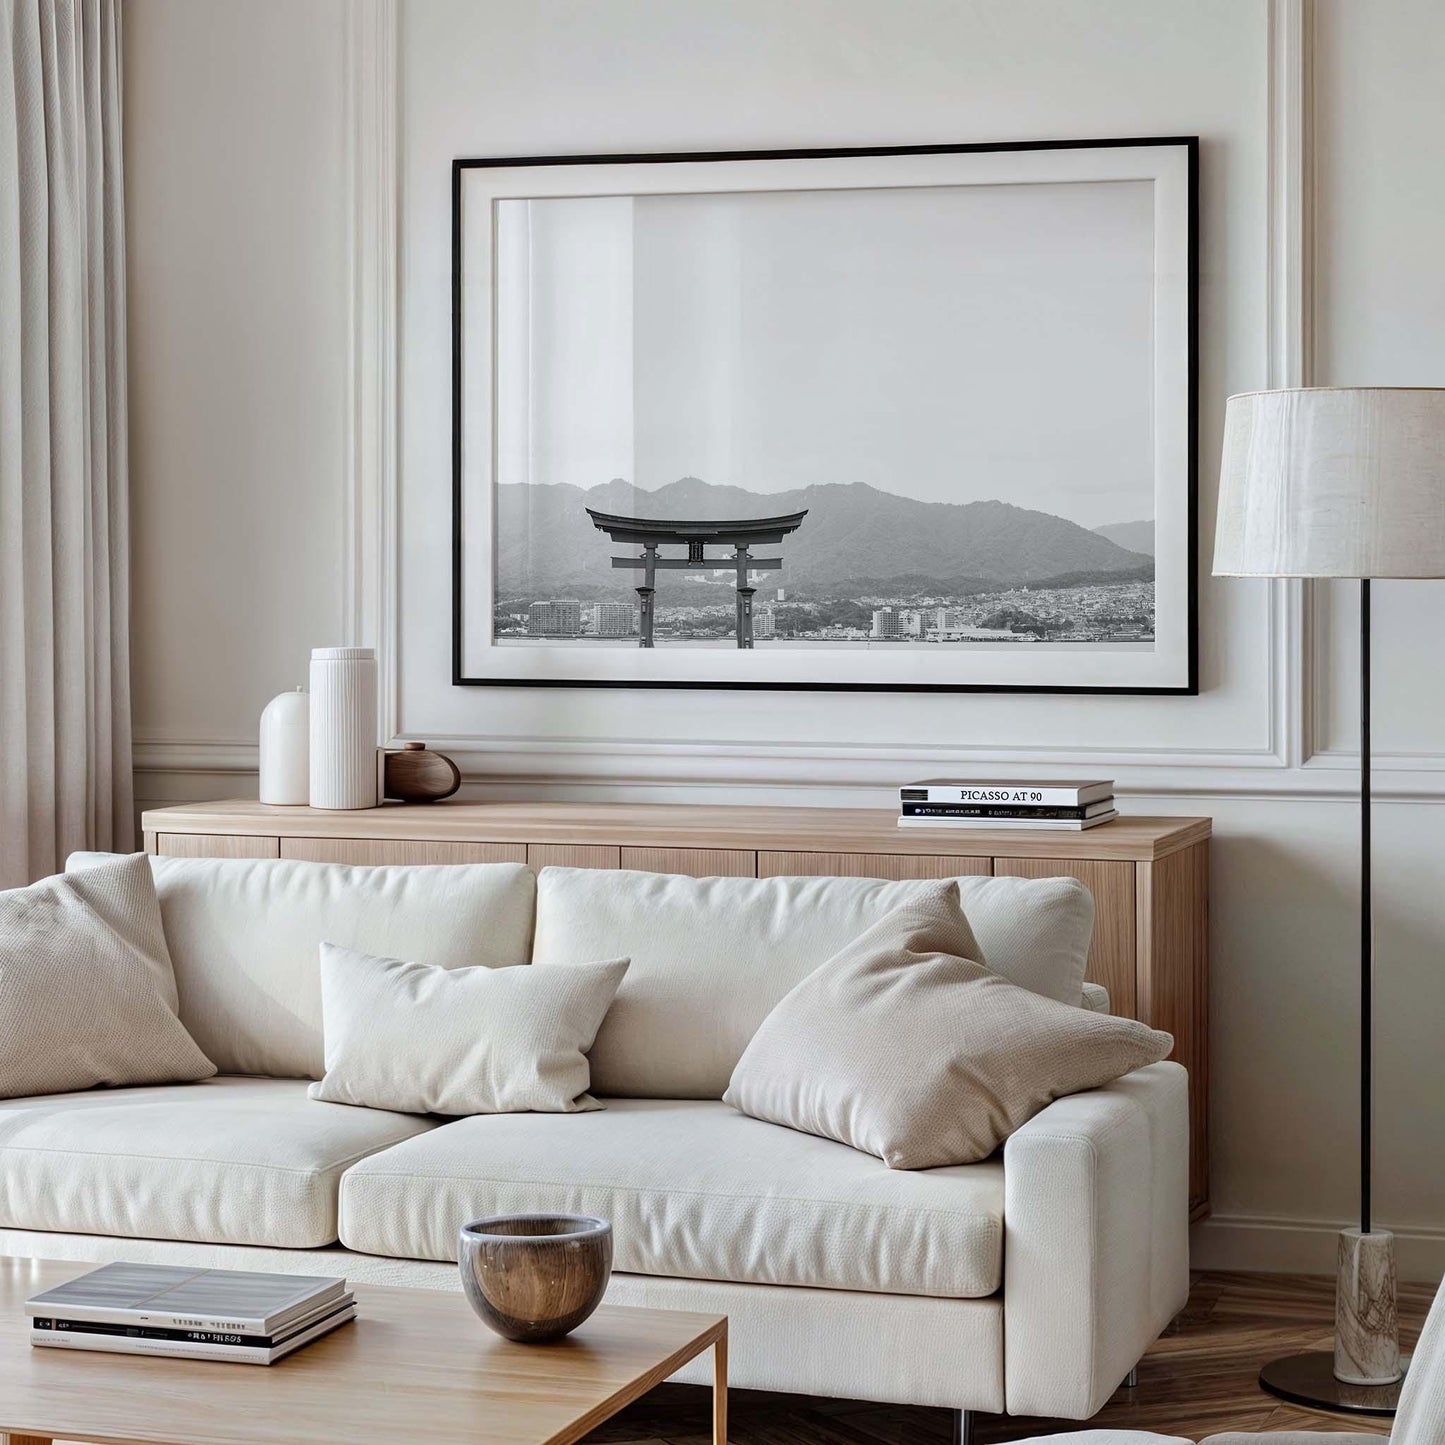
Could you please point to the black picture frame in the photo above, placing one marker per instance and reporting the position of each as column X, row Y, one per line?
column 1191, row 144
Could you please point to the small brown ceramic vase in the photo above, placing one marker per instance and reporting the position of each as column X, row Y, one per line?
column 535, row 1277
column 415, row 774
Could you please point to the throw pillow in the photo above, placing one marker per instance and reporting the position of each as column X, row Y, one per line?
column 417, row 1038
column 87, row 995
column 904, row 1046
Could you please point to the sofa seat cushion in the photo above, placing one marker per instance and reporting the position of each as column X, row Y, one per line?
column 228, row 1161
column 694, row 1190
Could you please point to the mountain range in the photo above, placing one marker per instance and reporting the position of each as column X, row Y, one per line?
column 1136, row 536
column 547, row 545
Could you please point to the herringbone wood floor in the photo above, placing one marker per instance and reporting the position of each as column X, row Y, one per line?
column 1200, row 1378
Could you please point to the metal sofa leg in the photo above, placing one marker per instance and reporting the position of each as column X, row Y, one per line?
column 962, row 1427
column 1132, row 1378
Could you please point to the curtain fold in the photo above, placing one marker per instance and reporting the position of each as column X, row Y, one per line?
column 65, row 746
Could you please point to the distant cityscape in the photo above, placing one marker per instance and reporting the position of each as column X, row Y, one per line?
column 1093, row 612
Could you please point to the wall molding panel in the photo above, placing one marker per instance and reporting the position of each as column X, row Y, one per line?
column 369, row 582
column 1290, row 333
column 509, row 767
column 1286, row 765
column 371, row 586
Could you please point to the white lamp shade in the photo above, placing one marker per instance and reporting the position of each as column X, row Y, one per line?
column 1333, row 482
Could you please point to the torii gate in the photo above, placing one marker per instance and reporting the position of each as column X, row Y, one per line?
column 652, row 533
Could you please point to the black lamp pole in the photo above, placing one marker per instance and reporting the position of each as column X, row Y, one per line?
column 1309, row 1379
column 1367, row 940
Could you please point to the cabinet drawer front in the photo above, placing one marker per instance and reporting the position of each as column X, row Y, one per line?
column 216, row 845
column 694, row 862
column 573, row 855
column 869, row 865
column 1114, row 952
column 392, row 850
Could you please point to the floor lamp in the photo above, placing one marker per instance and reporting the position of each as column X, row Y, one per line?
column 1341, row 482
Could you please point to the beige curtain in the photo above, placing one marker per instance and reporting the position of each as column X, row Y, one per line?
column 65, row 778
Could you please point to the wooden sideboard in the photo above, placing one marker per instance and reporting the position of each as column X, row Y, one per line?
column 1149, row 876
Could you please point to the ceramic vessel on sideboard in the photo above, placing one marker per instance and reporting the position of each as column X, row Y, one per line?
column 285, row 752
column 343, row 727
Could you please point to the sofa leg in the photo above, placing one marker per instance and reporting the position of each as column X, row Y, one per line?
column 1132, row 1378
column 962, row 1427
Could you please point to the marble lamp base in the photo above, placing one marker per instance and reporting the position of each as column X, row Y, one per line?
column 1367, row 1322
column 1363, row 1375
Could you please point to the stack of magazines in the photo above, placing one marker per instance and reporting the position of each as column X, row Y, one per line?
column 958, row 803
column 198, row 1314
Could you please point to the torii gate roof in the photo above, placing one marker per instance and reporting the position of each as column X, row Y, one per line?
column 732, row 533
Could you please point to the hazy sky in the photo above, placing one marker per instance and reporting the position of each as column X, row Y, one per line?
column 949, row 344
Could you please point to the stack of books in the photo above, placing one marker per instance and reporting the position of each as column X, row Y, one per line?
column 198, row 1314
column 957, row 803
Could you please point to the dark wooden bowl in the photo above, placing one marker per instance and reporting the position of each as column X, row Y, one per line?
column 535, row 1277
column 418, row 775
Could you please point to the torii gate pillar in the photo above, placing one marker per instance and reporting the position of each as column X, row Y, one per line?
column 744, row 599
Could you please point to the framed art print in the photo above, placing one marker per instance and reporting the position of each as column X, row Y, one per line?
column 903, row 418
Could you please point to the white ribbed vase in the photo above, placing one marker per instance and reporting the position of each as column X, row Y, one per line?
column 343, row 727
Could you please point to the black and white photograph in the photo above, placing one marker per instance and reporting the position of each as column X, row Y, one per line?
column 931, row 431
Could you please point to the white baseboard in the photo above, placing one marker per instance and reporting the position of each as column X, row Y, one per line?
column 1257, row 1245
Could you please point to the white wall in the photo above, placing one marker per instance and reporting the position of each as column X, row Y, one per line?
column 1264, row 749
column 237, row 250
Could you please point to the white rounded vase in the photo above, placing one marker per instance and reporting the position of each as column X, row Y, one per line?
column 286, row 749
column 343, row 727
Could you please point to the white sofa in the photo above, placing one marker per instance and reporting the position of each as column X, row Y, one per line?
column 1029, row 1283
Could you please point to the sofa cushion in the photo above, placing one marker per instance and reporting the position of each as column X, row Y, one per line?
column 693, row 1190
column 228, row 1161
column 245, row 938
column 712, row 956
column 87, row 992
column 904, row 1046
column 428, row 1040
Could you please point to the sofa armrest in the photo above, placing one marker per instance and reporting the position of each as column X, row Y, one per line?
column 1096, row 1239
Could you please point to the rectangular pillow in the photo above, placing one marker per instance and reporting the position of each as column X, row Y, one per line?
column 711, row 956
column 427, row 1040
column 245, row 937
column 904, row 1046
column 87, row 994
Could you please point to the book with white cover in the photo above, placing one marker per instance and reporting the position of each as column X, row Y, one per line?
column 174, row 1297
column 183, row 1350
column 192, row 1335
column 1019, row 791
column 988, row 825
column 1008, row 811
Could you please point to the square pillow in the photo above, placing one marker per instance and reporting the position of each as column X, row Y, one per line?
column 903, row 1046
column 417, row 1038
column 87, row 994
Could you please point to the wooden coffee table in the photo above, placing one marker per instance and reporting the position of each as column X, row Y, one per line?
column 415, row 1365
